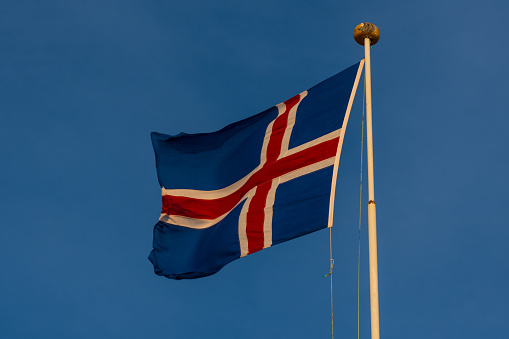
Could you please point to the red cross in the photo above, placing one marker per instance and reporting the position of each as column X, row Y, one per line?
column 206, row 206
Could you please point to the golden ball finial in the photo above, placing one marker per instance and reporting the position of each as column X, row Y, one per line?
column 366, row 30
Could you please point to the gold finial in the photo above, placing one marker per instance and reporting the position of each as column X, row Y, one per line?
column 366, row 30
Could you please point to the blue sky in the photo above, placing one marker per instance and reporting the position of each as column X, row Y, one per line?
column 83, row 83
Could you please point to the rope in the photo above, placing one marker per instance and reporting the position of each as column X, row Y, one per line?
column 360, row 218
column 360, row 213
column 327, row 275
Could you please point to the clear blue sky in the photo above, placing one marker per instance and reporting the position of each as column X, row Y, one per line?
column 83, row 83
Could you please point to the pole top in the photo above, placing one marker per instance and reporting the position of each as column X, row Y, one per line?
column 366, row 30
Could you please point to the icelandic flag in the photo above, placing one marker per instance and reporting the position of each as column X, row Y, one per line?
column 253, row 184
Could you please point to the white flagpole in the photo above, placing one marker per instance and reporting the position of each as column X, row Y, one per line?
column 368, row 34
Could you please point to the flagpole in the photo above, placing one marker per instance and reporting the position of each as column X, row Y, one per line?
column 367, row 34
